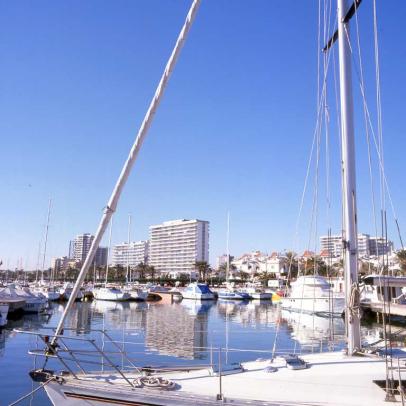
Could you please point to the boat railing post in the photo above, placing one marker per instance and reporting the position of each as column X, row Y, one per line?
column 220, row 394
column 401, row 392
column 110, row 362
column 70, row 352
column 123, row 352
column 51, row 350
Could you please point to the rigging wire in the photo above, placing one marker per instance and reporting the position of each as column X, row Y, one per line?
column 377, row 148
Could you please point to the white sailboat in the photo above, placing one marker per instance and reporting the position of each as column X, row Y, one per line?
column 114, row 294
column 48, row 289
column 230, row 293
column 110, row 293
column 333, row 379
column 134, row 291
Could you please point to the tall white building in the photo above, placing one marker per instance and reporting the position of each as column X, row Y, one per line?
column 175, row 246
column 132, row 254
column 333, row 244
column 80, row 246
column 367, row 245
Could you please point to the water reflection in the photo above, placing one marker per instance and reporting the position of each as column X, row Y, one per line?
column 311, row 330
column 187, row 329
column 32, row 322
column 179, row 329
column 254, row 313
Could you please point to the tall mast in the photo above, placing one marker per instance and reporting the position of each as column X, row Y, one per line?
column 38, row 262
column 125, row 172
column 46, row 239
column 128, row 275
column 350, row 243
column 228, row 247
column 108, row 251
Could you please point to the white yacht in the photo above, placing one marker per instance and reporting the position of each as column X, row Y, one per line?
column 3, row 313
column 313, row 294
column 198, row 291
column 113, row 294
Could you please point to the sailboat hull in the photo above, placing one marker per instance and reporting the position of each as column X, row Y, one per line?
column 331, row 379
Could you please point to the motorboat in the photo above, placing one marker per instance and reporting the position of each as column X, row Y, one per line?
column 256, row 293
column 313, row 294
column 198, row 291
column 232, row 294
column 3, row 313
column 113, row 294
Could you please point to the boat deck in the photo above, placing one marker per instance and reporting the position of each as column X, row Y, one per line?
column 331, row 379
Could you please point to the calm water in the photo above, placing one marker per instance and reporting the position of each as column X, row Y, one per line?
column 158, row 334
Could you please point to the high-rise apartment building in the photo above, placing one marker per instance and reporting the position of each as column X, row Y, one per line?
column 379, row 246
column 175, row 246
column 80, row 247
column 131, row 254
column 333, row 244
column 367, row 245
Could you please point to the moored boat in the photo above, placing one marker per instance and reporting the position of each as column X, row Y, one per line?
column 256, row 293
column 232, row 294
column 313, row 294
column 113, row 294
column 198, row 291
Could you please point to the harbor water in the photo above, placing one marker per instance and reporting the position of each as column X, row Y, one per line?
column 157, row 334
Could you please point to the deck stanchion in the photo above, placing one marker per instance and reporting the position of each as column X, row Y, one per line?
column 220, row 394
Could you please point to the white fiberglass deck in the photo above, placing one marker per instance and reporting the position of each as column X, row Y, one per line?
column 331, row 379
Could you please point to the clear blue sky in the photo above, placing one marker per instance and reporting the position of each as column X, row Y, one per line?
column 233, row 132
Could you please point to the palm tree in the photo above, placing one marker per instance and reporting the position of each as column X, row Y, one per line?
column 142, row 270
column 401, row 256
column 202, row 268
column 315, row 265
column 292, row 264
column 151, row 271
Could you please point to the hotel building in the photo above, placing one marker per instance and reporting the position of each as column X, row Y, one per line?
column 367, row 245
column 175, row 246
column 131, row 254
